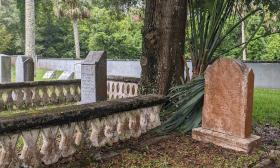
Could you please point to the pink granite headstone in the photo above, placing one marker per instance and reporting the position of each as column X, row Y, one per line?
column 227, row 109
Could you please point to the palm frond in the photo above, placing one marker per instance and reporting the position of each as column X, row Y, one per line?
column 184, row 108
column 73, row 9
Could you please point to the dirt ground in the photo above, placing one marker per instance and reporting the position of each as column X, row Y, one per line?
column 174, row 150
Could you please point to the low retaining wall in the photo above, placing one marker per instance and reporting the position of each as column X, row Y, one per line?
column 51, row 134
column 114, row 67
column 267, row 74
column 24, row 95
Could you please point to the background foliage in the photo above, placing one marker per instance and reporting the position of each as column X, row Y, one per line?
column 115, row 26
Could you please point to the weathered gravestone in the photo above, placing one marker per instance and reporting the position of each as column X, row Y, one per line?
column 66, row 75
column 5, row 68
column 24, row 69
column 94, row 77
column 49, row 75
column 227, row 109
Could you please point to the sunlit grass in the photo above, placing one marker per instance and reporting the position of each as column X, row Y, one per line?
column 39, row 74
column 267, row 106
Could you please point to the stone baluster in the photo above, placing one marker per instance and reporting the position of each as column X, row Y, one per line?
column 36, row 99
column 45, row 95
column 68, row 93
column 81, row 134
column 113, row 91
column 8, row 155
column 30, row 155
column 127, row 90
column 110, row 130
column 2, row 105
column 153, row 117
column 123, row 126
column 67, row 143
column 9, row 100
column 19, row 98
column 110, row 92
column 76, row 95
column 134, row 89
column 123, row 90
column 144, row 120
column 134, row 123
column 97, row 136
column 61, row 96
column 28, row 94
column 52, row 98
column 50, row 149
column 79, row 92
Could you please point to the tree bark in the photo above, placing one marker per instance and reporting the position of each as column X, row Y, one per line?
column 243, row 40
column 163, row 45
column 30, row 29
column 76, row 37
column 30, row 38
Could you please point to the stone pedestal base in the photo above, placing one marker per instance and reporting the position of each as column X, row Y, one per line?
column 226, row 141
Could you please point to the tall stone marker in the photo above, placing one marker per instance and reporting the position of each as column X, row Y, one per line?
column 24, row 69
column 227, row 109
column 5, row 68
column 94, row 77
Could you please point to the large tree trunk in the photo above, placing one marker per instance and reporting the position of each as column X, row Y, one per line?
column 163, row 45
column 76, row 37
column 30, row 29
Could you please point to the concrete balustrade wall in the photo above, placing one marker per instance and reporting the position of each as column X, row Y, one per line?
column 46, row 136
column 267, row 74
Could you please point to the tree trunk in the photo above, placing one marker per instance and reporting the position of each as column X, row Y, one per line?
column 30, row 38
column 244, row 53
column 30, row 29
column 163, row 45
column 76, row 37
column 243, row 35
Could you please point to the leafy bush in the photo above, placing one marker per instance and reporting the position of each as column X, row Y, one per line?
column 116, row 33
column 6, row 40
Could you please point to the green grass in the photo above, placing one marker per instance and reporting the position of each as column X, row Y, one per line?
column 267, row 106
column 39, row 74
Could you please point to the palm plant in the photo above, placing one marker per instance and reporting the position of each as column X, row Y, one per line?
column 74, row 10
column 206, row 25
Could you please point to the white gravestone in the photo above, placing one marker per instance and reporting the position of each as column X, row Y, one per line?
column 24, row 69
column 49, row 75
column 94, row 77
column 66, row 75
column 5, row 68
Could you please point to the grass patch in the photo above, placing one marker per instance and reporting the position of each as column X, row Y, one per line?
column 39, row 74
column 267, row 106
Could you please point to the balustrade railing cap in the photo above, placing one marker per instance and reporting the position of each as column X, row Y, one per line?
column 94, row 57
column 74, row 113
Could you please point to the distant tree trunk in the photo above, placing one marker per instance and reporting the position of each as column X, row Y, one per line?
column 76, row 37
column 30, row 29
column 244, row 53
column 243, row 35
column 163, row 45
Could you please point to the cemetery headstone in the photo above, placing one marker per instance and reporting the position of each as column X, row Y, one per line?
column 5, row 68
column 94, row 77
column 49, row 75
column 24, row 69
column 66, row 75
column 227, row 109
